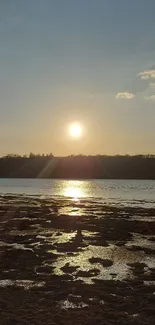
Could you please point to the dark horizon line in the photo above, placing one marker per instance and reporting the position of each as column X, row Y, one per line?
column 43, row 155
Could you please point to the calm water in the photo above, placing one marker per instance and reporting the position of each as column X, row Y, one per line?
column 137, row 192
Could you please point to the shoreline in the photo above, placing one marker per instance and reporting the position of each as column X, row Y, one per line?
column 110, row 202
column 81, row 261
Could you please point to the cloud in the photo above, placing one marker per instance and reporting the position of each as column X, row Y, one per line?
column 125, row 95
column 147, row 74
column 152, row 97
column 152, row 85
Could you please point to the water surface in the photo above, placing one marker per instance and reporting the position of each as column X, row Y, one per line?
column 137, row 192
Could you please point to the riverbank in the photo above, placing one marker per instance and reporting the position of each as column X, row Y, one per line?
column 76, row 261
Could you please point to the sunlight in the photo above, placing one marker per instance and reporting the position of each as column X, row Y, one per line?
column 75, row 130
column 74, row 190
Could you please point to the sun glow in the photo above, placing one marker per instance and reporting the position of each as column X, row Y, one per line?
column 75, row 130
column 75, row 190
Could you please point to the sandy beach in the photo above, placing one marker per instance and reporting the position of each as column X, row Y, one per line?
column 69, row 261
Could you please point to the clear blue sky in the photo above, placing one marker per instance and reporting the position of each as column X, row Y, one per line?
column 91, row 61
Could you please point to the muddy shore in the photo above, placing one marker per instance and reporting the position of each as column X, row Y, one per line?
column 75, row 262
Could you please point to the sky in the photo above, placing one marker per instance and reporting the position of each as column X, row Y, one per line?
column 90, row 61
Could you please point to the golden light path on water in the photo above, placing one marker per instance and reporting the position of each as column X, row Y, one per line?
column 75, row 190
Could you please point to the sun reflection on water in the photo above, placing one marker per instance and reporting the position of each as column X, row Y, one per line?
column 75, row 190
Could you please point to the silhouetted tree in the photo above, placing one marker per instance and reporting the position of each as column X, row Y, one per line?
column 78, row 167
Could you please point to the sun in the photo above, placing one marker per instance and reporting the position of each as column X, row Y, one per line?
column 75, row 130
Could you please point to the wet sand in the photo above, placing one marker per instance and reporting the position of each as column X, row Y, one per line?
column 75, row 262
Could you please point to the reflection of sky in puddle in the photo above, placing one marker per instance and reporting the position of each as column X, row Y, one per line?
column 64, row 237
column 141, row 241
column 27, row 284
column 118, row 271
column 15, row 246
column 149, row 283
column 77, row 302
column 143, row 218
column 70, row 305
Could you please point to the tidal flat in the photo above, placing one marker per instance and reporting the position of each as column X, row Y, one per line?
column 65, row 261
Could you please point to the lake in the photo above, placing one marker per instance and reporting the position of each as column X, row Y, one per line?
column 137, row 192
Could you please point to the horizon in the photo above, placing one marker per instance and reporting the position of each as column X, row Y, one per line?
column 45, row 155
column 87, row 62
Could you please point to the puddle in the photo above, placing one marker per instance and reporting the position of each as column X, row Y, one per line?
column 143, row 218
column 102, row 302
column 26, row 284
column 141, row 241
column 16, row 246
column 149, row 283
column 63, row 237
column 65, row 304
column 135, row 315
column 120, row 257
column 41, row 237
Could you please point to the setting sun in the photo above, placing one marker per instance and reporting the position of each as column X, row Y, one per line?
column 75, row 130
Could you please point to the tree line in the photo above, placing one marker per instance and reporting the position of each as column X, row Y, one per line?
column 78, row 167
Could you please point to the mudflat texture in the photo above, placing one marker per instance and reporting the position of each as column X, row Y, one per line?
column 75, row 262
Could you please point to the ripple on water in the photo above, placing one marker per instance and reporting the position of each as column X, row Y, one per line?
column 72, row 211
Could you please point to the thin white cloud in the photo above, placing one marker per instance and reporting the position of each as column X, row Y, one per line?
column 152, row 97
column 147, row 74
column 125, row 95
column 152, row 85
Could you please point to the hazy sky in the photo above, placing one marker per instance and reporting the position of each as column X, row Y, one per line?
column 91, row 61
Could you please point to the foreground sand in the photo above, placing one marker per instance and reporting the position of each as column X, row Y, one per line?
column 75, row 262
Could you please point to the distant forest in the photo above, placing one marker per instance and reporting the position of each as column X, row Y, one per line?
column 78, row 167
